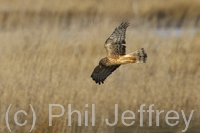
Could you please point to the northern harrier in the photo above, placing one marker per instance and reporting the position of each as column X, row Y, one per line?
column 116, row 55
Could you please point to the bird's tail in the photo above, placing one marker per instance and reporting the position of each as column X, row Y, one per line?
column 140, row 55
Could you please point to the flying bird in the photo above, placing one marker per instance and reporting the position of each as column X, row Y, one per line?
column 116, row 55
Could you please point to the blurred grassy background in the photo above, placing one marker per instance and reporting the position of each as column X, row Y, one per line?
column 48, row 50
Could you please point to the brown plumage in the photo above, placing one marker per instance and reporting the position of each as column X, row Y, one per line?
column 116, row 55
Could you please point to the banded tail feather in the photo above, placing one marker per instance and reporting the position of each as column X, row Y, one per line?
column 140, row 55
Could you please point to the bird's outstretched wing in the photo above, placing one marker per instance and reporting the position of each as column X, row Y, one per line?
column 114, row 44
column 101, row 72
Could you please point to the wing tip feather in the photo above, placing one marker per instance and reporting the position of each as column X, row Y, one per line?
column 101, row 76
column 124, row 24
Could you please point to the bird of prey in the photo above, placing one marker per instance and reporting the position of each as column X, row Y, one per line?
column 116, row 55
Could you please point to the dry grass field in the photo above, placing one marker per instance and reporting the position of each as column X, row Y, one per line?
column 48, row 50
